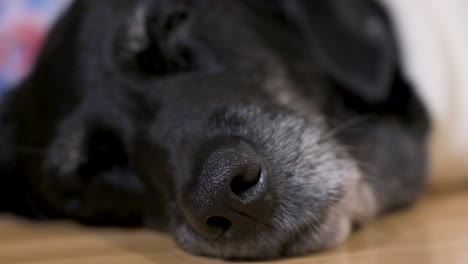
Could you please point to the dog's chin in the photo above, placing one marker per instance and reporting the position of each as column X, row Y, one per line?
column 328, row 235
column 270, row 243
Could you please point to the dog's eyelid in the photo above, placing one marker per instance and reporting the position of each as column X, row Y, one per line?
column 155, row 48
column 104, row 152
column 175, row 20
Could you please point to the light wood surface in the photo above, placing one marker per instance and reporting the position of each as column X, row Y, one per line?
column 434, row 231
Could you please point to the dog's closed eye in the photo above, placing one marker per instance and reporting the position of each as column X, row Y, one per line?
column 105, row 152
column 158, row 42
column 106, row 172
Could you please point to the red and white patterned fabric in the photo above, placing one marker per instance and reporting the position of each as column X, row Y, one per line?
column 23, row 27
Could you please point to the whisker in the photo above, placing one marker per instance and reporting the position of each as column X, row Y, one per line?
column 286, row 182
column 343, row 126
column 315, row 223
column 351, row 148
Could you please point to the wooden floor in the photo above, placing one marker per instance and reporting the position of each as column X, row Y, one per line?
column 434, row 231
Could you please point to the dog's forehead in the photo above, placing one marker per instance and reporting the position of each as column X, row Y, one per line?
column 239, row 34
column 239, row 38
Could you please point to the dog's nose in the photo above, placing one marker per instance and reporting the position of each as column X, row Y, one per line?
column 231, row 198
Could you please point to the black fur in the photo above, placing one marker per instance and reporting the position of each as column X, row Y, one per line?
column 129, row 98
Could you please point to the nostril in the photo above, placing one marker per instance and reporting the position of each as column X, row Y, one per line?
column 230, row 197
column 243, row 183
column 219, row 222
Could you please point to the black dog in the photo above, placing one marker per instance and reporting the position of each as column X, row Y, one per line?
column 248, row 129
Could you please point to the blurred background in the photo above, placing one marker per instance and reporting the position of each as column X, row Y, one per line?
column 23, row 27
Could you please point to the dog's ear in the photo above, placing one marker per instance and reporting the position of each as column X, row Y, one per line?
column 353, row 42
column 154, row 39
